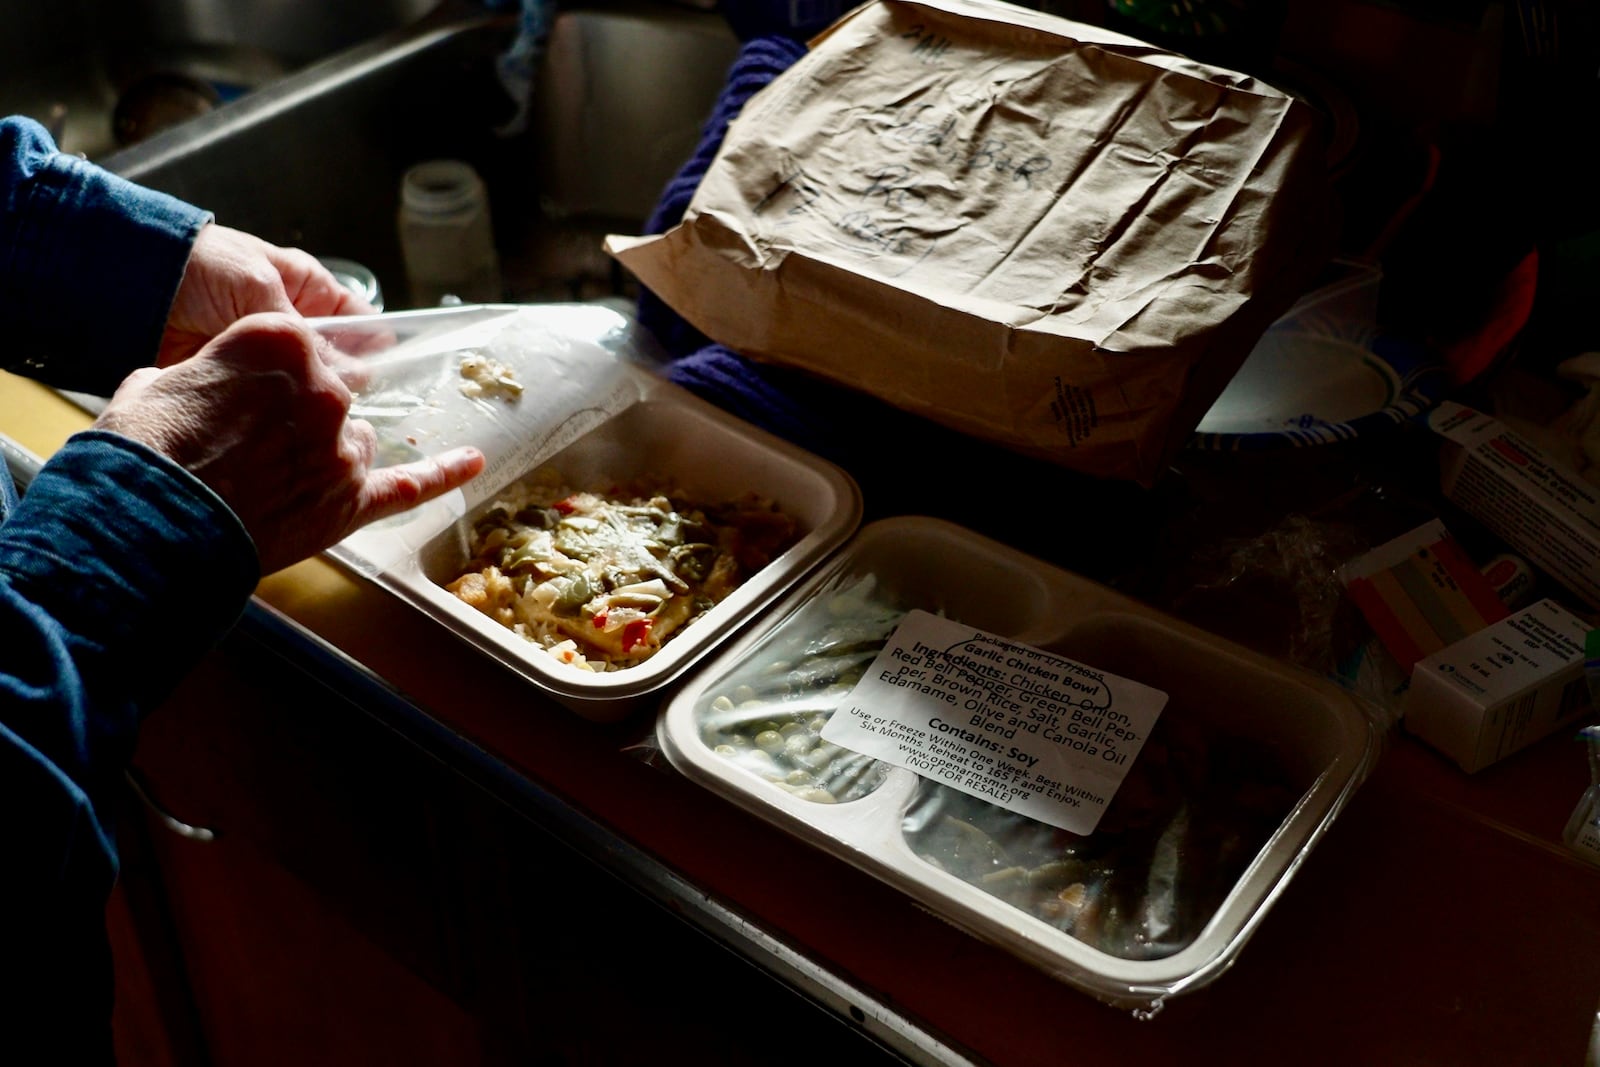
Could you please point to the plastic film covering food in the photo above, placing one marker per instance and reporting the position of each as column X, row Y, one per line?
column 1247, row 765
column 621, row 526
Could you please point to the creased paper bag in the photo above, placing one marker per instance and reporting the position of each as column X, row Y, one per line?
column 1025, row 228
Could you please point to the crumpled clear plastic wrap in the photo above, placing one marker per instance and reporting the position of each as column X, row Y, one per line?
column 518, row 382
column 1278, row 591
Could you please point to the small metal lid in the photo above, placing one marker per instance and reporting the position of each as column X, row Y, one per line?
column 356, row 278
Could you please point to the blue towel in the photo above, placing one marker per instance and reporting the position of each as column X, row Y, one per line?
column 791, row 404
column 759, row 61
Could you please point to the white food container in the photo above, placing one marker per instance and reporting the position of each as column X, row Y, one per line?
column 583, row 404
column 1008, row 879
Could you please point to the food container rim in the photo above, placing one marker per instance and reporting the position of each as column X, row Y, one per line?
column 1140, row 985
column 612, row 695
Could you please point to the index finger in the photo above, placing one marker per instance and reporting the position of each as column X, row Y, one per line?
column 391, row 490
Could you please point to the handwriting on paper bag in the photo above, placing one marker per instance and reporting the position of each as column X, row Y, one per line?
column 929, row 46
column 890, row 205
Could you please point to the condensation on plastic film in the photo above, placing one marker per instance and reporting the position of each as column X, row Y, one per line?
column 566, row 370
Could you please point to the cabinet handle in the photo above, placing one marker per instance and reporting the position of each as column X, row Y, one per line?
column 171, row 822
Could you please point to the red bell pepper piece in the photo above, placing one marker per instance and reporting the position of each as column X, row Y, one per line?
column 635, row 633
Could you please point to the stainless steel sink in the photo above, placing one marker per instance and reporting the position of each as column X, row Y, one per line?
column 70, row 63
column 313, row 154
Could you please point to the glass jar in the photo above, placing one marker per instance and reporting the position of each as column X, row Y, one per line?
column 446, row 235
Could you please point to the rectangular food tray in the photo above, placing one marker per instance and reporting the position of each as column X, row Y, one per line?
column 589, row 408
column 886, row 819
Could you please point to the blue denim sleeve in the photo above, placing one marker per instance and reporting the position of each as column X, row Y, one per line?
column 118, row 570
column 89, row 264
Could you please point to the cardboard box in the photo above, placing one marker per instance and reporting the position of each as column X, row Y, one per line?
column 1533, row 502
column 1503, row 688
column 1027, row 229
column 1421, row 593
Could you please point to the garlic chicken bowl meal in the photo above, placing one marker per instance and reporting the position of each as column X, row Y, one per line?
column 601, row 580
column 605, row 571
column 1108, row 793
column 622, row 526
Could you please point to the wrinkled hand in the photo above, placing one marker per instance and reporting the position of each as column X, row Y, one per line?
column 231, row 274
column 259, row 417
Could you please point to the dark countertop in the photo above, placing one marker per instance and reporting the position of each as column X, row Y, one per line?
column 1440, row 920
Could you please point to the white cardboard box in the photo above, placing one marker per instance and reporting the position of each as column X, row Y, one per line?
column 1502, row 688
column 1534, row 503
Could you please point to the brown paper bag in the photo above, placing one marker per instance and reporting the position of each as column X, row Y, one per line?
column 1028, row 229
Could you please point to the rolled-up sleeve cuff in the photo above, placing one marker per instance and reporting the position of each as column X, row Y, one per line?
column 128, row 550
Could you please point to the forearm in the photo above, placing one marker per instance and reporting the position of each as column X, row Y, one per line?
column 89, row 264
column 117, row 572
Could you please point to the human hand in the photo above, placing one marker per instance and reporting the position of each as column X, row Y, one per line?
column 231, row 274
column 259, row 416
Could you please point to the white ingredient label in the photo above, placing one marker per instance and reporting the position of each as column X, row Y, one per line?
column 1035, row 733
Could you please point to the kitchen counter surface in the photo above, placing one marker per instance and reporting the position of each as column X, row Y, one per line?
column 1440, row 920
